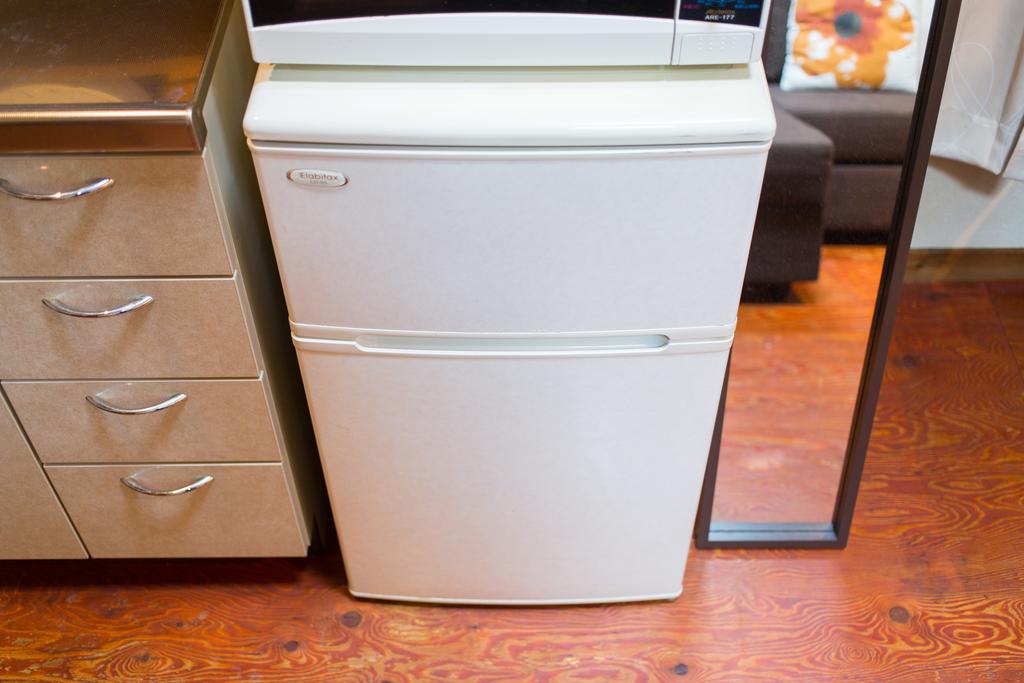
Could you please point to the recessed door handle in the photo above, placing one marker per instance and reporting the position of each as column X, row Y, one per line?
column 90, row 187
column 133, row 305
column 135, row 485
column 155, row 408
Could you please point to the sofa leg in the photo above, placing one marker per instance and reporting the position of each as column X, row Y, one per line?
column 765, row 292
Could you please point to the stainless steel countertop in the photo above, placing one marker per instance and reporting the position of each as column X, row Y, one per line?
column 111, row 76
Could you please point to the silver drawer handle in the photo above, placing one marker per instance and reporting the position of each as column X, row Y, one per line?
column 135, row 485
column 133, row 305
column 155, row 408
column 89, row 188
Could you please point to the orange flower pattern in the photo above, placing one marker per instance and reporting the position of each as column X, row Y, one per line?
column 851, row 39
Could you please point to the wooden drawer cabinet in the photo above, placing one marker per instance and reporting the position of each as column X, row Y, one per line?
column 143, row 333
column 158, row 218
column 32, row 523
column 245, row 511
column 192, row 328
column 146, row 421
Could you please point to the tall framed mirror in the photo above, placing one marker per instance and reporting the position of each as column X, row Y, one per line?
column 856, row 86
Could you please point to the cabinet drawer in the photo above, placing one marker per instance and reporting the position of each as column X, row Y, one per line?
column 166, row 421
column 32, row 524
column 246, row 510
column 157, row 218
column 192, row 328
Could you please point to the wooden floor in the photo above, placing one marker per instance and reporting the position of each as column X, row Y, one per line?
column 931, row 587
column 792, row 388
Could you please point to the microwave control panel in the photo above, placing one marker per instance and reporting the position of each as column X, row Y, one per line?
column 738, row 12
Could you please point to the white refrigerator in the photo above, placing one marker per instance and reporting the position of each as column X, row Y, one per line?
column 512, row 294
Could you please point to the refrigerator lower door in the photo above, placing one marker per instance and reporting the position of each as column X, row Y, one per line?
column 514, row 471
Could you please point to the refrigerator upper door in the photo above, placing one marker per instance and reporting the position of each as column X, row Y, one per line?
column 511, row 241
column 524, row 108
column 538, row 202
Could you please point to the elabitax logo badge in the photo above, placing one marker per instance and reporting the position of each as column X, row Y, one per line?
column 317, row 177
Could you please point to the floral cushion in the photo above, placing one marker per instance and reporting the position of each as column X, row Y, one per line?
column 862, row 44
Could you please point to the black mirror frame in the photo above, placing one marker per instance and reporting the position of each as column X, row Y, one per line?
column 836, row 534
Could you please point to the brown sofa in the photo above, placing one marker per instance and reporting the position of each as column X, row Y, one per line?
column 832, row 174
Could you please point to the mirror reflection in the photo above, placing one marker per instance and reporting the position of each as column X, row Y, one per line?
column 843, row 78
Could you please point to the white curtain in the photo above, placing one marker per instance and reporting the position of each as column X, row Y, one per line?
column 983, row 103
